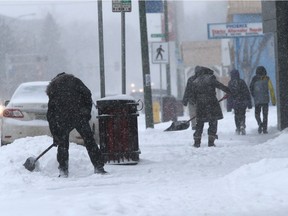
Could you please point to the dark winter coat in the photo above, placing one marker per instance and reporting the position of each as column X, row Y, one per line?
column 260, row 87
column 240, row 97
column 187, row 98
column 69, row 100
column 204, row 95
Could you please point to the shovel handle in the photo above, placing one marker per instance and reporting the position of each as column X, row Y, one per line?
column 44, row 152
column 223, row 98
column 191, row 119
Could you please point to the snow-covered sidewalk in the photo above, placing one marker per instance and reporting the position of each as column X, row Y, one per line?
column 243, row 175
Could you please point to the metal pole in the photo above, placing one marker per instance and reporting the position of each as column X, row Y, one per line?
column 145, row 65
column 101, row 49
column 161, row 107
column 168, row 74
column 123, row 56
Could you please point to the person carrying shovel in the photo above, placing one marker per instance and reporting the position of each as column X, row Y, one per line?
column 187, row 98
column 208, row 109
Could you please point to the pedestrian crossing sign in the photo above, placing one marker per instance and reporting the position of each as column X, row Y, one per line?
column 160, row 52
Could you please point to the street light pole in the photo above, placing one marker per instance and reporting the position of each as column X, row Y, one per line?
column 123, row 52
column 101, row 49
column 145, row 66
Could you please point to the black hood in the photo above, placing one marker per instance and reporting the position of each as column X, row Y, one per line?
column 234, row 74
column 261, row 71
column 200, row 70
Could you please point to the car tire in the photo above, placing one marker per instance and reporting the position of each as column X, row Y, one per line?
column 3, row 143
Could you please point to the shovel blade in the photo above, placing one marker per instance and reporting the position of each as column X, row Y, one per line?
column 30, row 164
column 178, row 125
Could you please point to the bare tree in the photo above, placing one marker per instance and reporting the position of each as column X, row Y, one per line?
column 249, row 54
column 51, row 48
column 6, row 48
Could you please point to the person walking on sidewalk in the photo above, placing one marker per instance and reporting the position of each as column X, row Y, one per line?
column 239, row 101
column 207, row 106
column 69, row 107
column 260, row 87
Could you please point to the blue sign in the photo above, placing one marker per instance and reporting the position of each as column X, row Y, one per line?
column 154, row 6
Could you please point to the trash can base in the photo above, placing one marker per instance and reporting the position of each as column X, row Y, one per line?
column 122, row 158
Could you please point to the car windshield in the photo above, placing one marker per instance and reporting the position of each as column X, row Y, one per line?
column 30, row 93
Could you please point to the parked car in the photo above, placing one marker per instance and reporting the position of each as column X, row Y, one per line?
column 25, row 115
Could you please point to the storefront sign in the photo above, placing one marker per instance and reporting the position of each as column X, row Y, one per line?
column 231, row 30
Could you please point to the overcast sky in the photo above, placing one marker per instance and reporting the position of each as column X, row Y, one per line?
column 77, row 9
column 197, row 13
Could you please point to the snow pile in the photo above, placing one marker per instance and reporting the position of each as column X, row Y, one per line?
column 243, row 175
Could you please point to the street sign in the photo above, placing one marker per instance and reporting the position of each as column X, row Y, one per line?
column 158, row 35
column 121, row 5
column 154, row 6
column 160, row 52
column 232, row 30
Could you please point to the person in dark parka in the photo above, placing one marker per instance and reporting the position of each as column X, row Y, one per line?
column 187, row 98
column 69, row 107
column 260, row 87
column 207, row 106
column 239, row 100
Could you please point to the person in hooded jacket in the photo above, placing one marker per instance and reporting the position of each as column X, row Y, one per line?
column 207, row 106
column 239, row 101
column 260, row 87
column 69, row 107
column 187, row 98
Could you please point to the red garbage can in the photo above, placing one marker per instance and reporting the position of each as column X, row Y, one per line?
column 118, row 129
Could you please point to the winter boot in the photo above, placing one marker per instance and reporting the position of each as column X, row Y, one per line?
column 63, row 169
column 63, row 173
column 260, row 128
column 242, row 130
column 99, row 169
column 264, row 128
column 197, row 142
column 237, row 131
column 63, row 160
column 211, row 140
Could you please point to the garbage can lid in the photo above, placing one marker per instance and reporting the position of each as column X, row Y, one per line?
column 117, row 98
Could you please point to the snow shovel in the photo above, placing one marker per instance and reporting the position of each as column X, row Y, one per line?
column 180, row 125
column 183, row 125
column 31, row 162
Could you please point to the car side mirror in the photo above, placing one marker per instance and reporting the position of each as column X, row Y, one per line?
column 6, row 102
